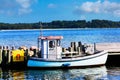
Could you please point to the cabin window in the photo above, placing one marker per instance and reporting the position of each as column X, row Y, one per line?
column 51, row 44
column 58, row 42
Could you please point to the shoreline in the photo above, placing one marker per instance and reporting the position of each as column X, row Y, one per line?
column 55, row 29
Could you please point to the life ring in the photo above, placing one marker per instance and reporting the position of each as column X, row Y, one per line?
column 18, row 57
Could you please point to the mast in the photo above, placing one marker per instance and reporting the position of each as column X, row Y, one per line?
column 40, row 29
column 40, row 34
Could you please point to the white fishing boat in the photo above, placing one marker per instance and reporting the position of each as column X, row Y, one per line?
column 53, row 55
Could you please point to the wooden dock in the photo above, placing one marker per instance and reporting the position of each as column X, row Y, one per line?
column 112, row 48
column 113, row 53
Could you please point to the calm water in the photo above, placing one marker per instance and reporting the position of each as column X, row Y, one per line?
column 29, row 38
column 96, row 73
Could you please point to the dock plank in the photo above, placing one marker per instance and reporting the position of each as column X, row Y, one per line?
column 112, row 48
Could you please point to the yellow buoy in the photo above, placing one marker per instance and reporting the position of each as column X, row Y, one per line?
column 18, row 55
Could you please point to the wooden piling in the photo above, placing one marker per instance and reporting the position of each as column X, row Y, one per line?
column 8, row 55
column 63, row 49
column 0, row 54
column 13, row 48
column 71, row 49
column 79, row 44
column 73, row 45
column 35, row 53
column 4, row 58
column 26, row 54
column 79, row 51
column 82, row 48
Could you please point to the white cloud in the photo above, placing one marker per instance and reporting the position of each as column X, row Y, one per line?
column 117, row 12
column 91, row 7
column 16, row 7
column 105, row 7
column 51, row 5
column 24, row 11
column 24, row 3
column 82, row 17
column 25, row 6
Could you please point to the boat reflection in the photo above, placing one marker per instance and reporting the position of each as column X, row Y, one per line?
column 6, row 74
column 69, row 74
column 59, row 74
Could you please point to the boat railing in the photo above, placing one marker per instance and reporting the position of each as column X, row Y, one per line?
column 72, row 54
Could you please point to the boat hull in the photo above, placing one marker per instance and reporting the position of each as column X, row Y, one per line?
column 91, row 60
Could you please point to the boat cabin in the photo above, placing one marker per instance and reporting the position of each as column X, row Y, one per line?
column 51, row 47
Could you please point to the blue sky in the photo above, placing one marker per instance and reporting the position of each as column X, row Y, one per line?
column 27, row 11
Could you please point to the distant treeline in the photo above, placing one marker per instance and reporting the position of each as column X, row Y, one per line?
column 63, row 24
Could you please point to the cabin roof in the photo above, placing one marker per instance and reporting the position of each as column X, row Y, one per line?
column 51, row 37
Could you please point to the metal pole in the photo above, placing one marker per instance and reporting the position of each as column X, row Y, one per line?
column 94, row 47
column 38, row 44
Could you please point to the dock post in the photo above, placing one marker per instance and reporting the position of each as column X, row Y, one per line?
column 79, row 51
column 82, row 49
column 71, row 49
column 94, row 47
column 73, row 45
column 0, row 54
column 79, row 44
column 4, row 59
column 26, row 55
column 63, row 49
column 35, row 52
column 8, row 55
column 13, row 48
